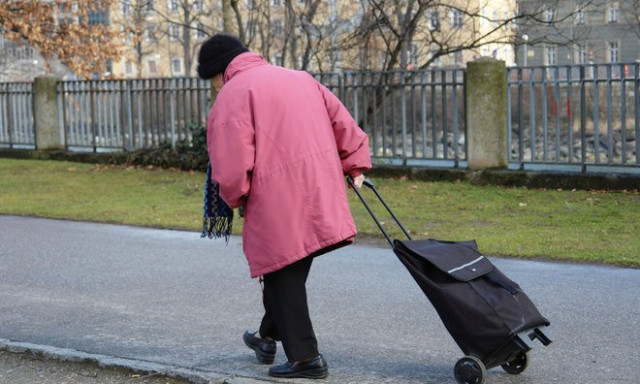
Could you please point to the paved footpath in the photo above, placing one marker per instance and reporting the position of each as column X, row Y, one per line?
column 168, row 301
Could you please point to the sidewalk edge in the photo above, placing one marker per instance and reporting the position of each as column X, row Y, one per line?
column 137, row 366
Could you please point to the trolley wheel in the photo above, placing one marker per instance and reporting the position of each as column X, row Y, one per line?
column 470, row 370
column 517, row 365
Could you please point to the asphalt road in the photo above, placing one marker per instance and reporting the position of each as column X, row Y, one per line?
column 172, row 302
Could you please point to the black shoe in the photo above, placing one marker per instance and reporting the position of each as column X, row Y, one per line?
column 265, row 349
column 315, row 368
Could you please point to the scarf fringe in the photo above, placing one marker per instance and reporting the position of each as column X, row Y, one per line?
column 217, row 228
column 218, row 216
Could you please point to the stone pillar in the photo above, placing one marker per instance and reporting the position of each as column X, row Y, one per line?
column 486, row 96
column 46, row 114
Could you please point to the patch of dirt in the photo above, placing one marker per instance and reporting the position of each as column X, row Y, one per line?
column 28, row 368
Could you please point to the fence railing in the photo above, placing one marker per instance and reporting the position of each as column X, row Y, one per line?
column 574, row 117
column 411, row 117
column 131, row 114
column 581, row 118
column 16, row 116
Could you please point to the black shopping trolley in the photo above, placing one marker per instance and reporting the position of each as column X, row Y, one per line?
column 488, row 315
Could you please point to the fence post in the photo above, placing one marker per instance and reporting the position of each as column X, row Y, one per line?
column 46, row 113
column 486, row 93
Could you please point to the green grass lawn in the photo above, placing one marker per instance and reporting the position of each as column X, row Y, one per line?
column 582, row 226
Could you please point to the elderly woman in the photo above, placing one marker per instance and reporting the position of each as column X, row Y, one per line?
column 280, row 145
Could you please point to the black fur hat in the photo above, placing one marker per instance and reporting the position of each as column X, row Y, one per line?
column 216, row 54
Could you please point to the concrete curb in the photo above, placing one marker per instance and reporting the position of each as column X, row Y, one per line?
column 135, row 366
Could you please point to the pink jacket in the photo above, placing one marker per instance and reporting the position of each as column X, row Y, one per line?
column 280, row 144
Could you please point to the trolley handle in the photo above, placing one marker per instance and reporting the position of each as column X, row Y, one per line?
column 369, row 184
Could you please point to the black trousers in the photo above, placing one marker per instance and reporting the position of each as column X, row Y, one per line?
column 286, row 315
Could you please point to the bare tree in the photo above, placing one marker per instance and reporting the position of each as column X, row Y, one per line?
column 264, row 28
column 133, row 20
column 188, row 17
column 299, row 33
column 633, row 16
column 311, row 33
column 426, row 30
column 239, row 20
column 553, row 22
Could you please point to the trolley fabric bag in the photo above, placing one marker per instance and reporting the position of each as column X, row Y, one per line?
column 481, row 308
column 488, row 315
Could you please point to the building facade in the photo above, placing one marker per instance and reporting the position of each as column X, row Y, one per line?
column 161, row 38
column 584, row 32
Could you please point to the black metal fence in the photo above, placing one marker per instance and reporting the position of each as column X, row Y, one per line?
column 574, row 117
column 16, row 116
column 411, row 117
column 131, row 114
column 581, row 118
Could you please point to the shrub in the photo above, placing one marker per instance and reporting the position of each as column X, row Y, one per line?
column 186, row 155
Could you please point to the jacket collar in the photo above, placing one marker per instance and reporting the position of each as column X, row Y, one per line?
column 243, row 62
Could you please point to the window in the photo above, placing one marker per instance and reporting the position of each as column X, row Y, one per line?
column 277, row 60
column 434, row 21
column 581, row 53
column 277, row 27
column 109, row 68
column 176, row 66
column 174, row 32
column 613, row 12
column 98, row 16
column 126, row 7
column 515, row 20
column 548, row 14
column 412, row 54
column 436, row 59
column 173, row 5
column 129, row 68
column 459, row 58
column 580, row 16
column 198, row 5
column 276, row 3
column 200, row 34
column 251, row 4
column 550, row 54
column 251, row 26
column 613, row 52
column 153, row 67
column 20, row 52
column 151, row 6
column 151, row 32
column 484, row 19
column 456, row 18
column 65, row 15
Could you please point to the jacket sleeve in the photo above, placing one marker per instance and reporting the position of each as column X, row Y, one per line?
column 352, row 142
column 231, row 148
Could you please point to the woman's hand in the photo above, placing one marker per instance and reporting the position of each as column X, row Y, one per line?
column 358, row 180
